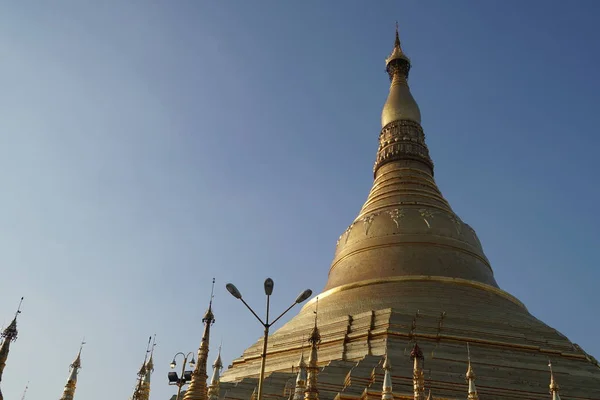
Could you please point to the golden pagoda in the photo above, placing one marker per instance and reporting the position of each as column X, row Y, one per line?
column 8, row 335
column 406, row 261
column 69, row 391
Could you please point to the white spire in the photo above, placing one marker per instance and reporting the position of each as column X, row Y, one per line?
column 300, row 379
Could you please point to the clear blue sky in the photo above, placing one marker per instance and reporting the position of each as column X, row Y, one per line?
column 147, row 146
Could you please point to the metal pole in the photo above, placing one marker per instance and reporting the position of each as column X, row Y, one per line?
column 264, row 354
column 263, row 362
column 182, row 379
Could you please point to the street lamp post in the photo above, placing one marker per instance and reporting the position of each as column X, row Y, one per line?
column 269, row 284
column 186, row 376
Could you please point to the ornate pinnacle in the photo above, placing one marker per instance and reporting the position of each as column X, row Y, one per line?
column 418, row 376
column 142, row 388
column 554, row 388
column 300, row 379
column 8, row 335
column 215, row 383
column 387, row 392
column 197, row 390
column 470, row 376
column 69, row 391
column 311, row 392
column 397, row 61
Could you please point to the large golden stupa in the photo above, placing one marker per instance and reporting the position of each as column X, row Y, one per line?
column 408, row 270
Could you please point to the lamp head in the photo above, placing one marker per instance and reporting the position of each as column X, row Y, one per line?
column 173, row 364
column 233, row 290
column 269, row 284
column 193, row 362
column 303, row 296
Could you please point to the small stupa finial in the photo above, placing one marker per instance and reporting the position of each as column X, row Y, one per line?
column 387, row 392
column 197, row 389
column 470, row 376
column 69, row 391
column 554, row 388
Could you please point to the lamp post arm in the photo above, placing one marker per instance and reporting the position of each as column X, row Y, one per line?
column 282, row 314
column 253, row 313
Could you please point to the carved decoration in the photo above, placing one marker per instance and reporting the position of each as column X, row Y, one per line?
column 426, row 214
column 400, row 140
column 348, row 232
column 396, row 214
column 367, row 221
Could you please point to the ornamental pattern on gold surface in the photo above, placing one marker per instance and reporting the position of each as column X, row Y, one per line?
column 396, row 214
column 367, row 221
column 457, row 222
column 427, row 215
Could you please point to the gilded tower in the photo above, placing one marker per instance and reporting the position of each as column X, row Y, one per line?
column 408, row 259
column 69, row 391
column 197, row 390
column 8, row 335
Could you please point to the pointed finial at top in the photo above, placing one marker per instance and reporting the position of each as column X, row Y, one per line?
column 315, row 336
column 470, row 376
column 209, row 316
column 10, row 332
column 19, row 308
column 397, row 53
column 554, row 388
column 212, row 292
column 316, row 310
column 77, row 362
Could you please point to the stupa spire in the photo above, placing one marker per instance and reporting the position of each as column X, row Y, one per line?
column 416, row 355
column 387, row 392
column 400, row 104
column 8, row 335
column 470, row 376
column 142, row 387
column 197, row 389
column 69, row 391
column 215, row 382
column 406, row 229
column 554, row 388
column 312, row 392
column 300, row 379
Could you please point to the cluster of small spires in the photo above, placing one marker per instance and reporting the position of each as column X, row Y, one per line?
column 306, row 387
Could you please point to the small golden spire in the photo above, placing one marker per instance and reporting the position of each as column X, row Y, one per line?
column 253, row 395
column 554, row 388
column 197, row 390
column 470, row 376
column 8, row 335
column 400, row 104
column 397, row 53
column 215, row 382
column 142, row 388
column 69, row 391
column 300, row 379
column 387, row 392
column 418, row 375
column 312, row 392
column 429, row 395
